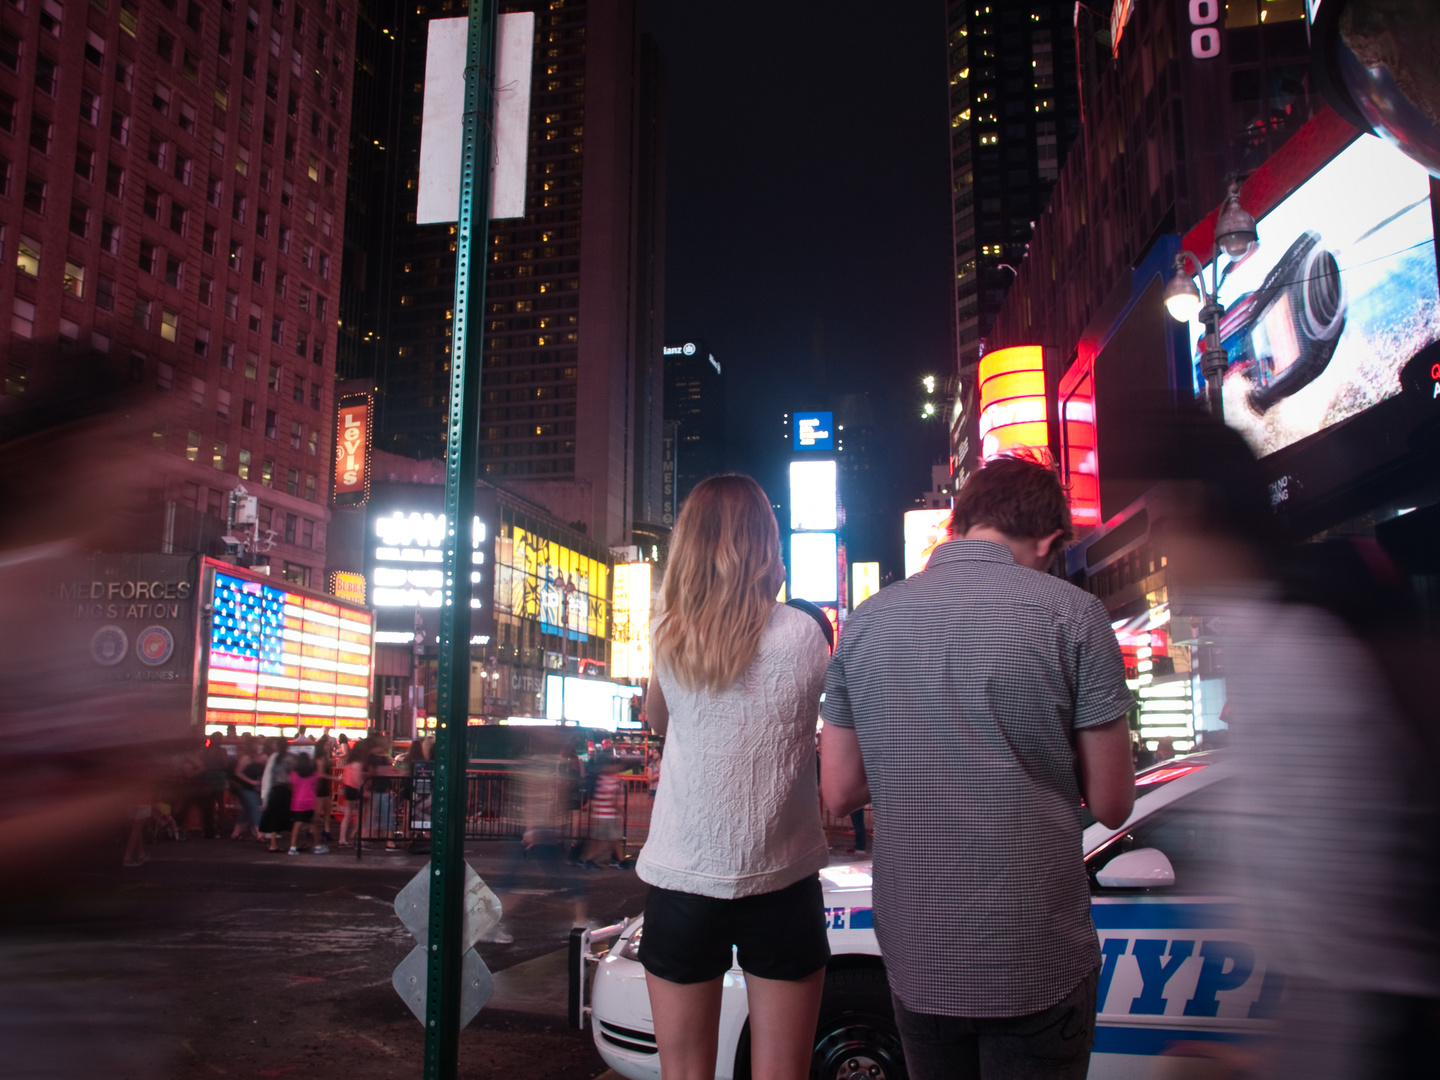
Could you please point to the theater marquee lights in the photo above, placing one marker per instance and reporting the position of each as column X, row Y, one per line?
column 1012, row 401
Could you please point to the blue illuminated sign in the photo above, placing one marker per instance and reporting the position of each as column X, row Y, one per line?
column 814, row 431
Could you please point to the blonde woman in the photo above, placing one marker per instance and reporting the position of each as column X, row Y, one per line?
column 735, row 841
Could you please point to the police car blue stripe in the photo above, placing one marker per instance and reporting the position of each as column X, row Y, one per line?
column 1149, row 1042
column 1143, row 916
column 862, row 918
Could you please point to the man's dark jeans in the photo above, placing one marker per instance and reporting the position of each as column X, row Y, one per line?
column 1054, row 1042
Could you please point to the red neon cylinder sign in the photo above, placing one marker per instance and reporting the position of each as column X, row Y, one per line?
column 1012, row 401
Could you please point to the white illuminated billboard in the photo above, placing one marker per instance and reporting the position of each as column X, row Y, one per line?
column 812, row 496
column 409, row 557
column 588, row 702
column 864, row 582
column 813, row 567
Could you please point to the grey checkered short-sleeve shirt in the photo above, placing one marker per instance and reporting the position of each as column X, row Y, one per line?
column 964, row 684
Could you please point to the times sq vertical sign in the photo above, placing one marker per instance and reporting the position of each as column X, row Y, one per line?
column 815, row 550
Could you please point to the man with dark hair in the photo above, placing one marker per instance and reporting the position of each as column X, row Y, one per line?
column 974, row 705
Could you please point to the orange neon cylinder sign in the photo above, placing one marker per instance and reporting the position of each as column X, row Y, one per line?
column 1012, row 401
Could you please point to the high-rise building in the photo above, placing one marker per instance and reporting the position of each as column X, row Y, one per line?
column 695, row 404
column 570, row 404
column 1013, row 116
column 172, row 190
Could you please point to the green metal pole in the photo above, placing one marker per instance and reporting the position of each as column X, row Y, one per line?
column 447, row 860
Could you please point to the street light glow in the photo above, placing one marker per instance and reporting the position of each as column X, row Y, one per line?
column 929, row 382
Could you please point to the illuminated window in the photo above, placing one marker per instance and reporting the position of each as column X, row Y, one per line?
column 27, row 256
column 73, row 282
column 192, row 446
column 22, row 319
column 169, row 325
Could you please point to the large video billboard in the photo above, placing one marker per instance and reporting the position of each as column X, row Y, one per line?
column 1337, row 295
column 540, row 579
column 276, row 658
column 812, row 496
column 925, row 530
column 814, row 567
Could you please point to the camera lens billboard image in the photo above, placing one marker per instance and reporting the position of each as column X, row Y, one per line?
column 1339, row 292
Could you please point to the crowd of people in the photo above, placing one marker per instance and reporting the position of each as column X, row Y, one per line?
column 287, row 794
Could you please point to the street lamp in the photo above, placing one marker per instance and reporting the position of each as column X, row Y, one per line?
column 1235, row 236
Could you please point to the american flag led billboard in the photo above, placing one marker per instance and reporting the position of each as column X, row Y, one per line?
column 276, row 658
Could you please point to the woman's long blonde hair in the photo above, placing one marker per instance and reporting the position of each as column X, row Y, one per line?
column 724, row 571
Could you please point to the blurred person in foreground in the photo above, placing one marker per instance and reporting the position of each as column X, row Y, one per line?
column 81, row 749
column 735, row 841
column 974, row 705
column 1335, row 819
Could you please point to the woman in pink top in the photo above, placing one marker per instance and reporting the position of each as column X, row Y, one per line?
column 303, row 782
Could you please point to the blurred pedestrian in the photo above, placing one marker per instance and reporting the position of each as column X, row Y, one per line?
column 249, row 768
column 304, row 781
column 735, row 839
column 978, row 702
column 275, row 818
column 1335, row 820
column 380, row 769
column 324, row 786
column 352, row 784
column 607, row 833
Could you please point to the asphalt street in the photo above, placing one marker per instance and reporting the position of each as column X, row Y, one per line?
column 216, row 958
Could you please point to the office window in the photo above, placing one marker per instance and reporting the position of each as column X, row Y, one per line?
column 51, row 13
column 238, row 205
column 109, row 237
column 310, row 486
column 27, row 256
column 302, row 342
column 141, row 313
column 255, row 316
column 217, row 455
column 46, row 74
column 89, row 106
column 105, row 293
column 257, row 270
column 325, row 266
column 291, row 522
column 149, row 256
column 79, row 218
column 183, row 166
column 40, row 130
column 307, row 533
column 292, row 482
column 192, row 445
column 222, row 404
column 115, row 180
column 247, row 415
column 297, row 392
column 119, row 127
column 159, row 149
column 273, row 381
column 243, row 469
column 232, row 304
column 207, row 290
column 237, row 255
column 227, row 355
column 297, row 434
column 252, row 364
column 174, row 271
column 152, row 203
column 267, row 472
column 187, row 118
column 312, row 441
column 160, row 99
column 270, row 428
column 35, row 194
column 73, row 283
column 22, row 318
column 197, row 392
column 84, row 162
column 214, row 191
column 169, row 325
column 7, row 112
column 277, row 331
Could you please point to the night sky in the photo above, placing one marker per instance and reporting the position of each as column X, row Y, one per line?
column 808, row 172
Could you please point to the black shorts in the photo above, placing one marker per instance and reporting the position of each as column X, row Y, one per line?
column 303, row 816
column 778, row 935
column 352, row 794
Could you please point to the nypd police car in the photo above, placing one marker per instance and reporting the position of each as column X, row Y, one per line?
column 1179, row 966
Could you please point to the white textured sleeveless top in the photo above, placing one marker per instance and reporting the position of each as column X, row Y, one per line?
column 737, row 812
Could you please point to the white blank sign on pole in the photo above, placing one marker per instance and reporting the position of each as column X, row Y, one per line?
column 442, row 119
